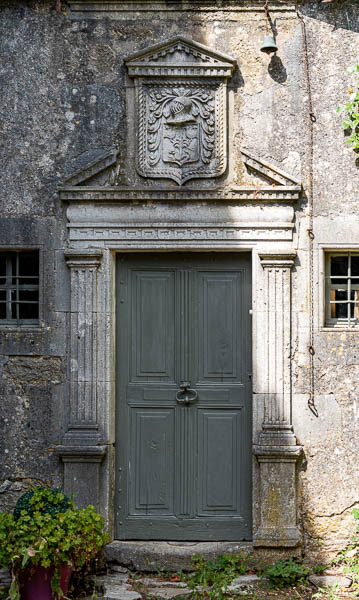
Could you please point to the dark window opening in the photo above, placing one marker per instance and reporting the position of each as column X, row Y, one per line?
column 19, row 287
column 342, row 283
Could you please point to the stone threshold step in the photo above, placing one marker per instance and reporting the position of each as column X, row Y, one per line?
column 117, row 585
column 168, row 556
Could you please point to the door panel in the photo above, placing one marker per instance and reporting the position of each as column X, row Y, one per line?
column 152, row 458
column 153, row 331
column 217, row 325
column 218, row 462
column 183, row 397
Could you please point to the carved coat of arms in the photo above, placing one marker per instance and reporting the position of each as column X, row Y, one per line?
column 181, row 110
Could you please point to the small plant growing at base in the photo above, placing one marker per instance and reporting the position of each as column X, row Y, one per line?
column 326, row 593
column 349, row 557
column 212, row 578
column 47, row 530
column 319, row 569
column 350, row 110
column 285, row 573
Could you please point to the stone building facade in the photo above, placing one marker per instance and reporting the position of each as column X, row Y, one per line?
column 152, row 145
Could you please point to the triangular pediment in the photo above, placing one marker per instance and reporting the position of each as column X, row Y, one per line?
column 180, row 56
column 267, row 171
column 102, row 171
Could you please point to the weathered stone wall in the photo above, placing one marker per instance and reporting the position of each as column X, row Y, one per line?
column 329, row 477
column 63, row 104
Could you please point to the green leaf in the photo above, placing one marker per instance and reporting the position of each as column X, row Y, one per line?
column 14, row 591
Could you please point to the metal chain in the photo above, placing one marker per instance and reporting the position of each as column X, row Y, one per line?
column 311, row 350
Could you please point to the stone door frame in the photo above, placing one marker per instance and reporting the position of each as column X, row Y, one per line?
column 91, row 433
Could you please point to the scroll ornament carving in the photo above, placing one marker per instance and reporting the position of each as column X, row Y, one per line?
column 181, row 109
column 181, row 130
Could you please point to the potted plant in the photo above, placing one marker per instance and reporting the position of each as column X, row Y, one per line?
column 44, row 540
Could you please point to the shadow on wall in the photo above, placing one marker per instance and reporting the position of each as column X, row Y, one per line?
column 277, row 70
column 341, row 14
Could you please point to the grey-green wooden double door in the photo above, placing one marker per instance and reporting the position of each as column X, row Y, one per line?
column 183, row 438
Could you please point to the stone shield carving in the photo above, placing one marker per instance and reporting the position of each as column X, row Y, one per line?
column 181, row 110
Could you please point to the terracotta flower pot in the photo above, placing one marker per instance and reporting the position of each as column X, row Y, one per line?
column 35, row 583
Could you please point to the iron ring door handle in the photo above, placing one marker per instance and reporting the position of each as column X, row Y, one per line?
column 186, row 395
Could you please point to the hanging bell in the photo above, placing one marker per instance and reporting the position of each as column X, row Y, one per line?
column 269, row 45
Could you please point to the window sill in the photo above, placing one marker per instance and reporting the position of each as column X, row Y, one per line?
column 19, row 327
column 331, row 328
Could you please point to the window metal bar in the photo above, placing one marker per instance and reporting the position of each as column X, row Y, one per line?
column 349, row 286
column 13, row 287
column 17, row 288
column 8, row 287
column 343, row 302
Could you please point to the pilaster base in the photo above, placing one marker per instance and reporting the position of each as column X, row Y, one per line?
column 82, row 435
column 273, row 537
column 278, row 512
column 82, row 473
column 277, row 435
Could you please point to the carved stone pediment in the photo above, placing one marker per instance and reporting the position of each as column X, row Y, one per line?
column 106, row 166
column 268, row 171
column 181, row 110
column 178, row 57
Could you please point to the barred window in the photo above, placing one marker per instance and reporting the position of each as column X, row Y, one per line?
column 342, row 289
column 19, row 287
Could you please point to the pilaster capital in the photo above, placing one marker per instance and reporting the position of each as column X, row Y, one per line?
column 278, row 454
column 282, row 259
column 81, row 454
column 83, row 259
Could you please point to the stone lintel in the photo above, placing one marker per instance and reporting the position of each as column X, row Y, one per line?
column 182, row 194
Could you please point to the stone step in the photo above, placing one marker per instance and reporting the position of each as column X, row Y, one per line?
column 167, row 593
column 5, row 576
column 321, row 581
column 168, row 556
column 126, row 586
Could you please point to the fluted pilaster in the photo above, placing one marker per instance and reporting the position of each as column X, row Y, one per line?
column 277, row 451
column 276, row 331
column 83, row 343
column 81, row 452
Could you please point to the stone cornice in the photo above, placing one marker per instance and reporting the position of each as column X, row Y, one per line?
column 183, row 194
column 83, row 258
column 103, row 8
column 279, row 258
